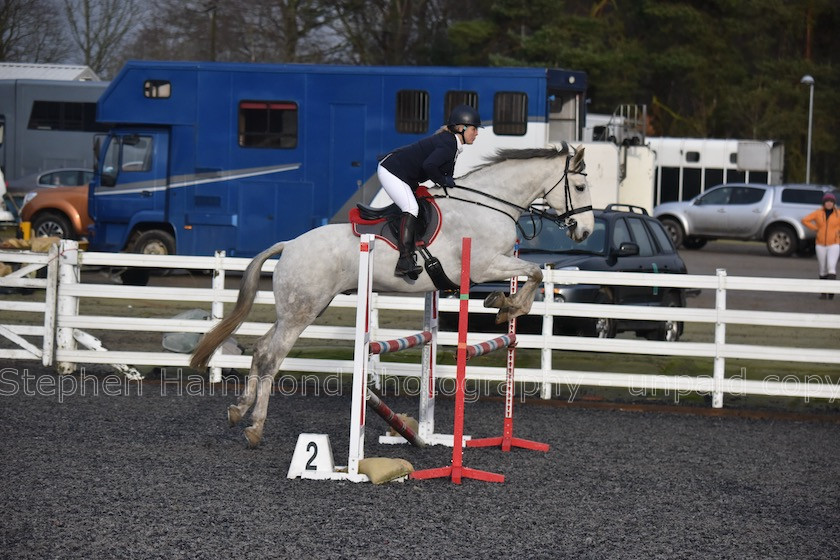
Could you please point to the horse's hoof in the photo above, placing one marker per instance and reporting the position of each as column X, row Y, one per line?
column 502, row 317
column 253, row 437
column 496, row 299
column 234, row 416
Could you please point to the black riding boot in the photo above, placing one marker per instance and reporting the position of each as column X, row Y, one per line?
column 406, row 265
column 823, row 295
column 831, row 277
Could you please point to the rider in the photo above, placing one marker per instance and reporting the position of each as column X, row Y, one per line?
column 402, row 170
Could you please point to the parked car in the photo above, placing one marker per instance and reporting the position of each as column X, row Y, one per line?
column 64, row 177
column 59, row 211
column 45, row 180
column 747, row 212
column 622, row 241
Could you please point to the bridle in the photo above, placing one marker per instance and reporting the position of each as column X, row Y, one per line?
column 564, row 220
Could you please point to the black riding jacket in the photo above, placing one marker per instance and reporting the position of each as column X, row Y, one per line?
column 432, row 158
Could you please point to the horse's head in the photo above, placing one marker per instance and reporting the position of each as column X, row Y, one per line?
column 571, row 197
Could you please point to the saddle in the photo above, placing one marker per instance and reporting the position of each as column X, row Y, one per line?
column 384, row 222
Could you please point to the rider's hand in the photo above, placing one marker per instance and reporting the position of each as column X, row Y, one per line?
column 448, row 182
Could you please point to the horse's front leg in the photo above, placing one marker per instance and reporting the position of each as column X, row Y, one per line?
column 503, row 267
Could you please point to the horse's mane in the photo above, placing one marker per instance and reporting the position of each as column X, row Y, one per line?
column 504, row 154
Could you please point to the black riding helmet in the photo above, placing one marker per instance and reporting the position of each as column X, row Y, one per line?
column 464, row 114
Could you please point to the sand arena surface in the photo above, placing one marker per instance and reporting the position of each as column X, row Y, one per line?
column 151, row 471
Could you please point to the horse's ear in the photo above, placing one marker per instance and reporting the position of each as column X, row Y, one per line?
column 577, row 162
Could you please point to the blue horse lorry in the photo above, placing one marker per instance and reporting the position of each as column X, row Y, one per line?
column 203, row 157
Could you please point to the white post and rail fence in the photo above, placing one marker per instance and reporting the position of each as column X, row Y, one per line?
column 57, row 334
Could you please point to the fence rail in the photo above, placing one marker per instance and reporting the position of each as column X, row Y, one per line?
column 52, row 336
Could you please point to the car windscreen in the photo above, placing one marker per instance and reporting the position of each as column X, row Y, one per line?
column 545, row 236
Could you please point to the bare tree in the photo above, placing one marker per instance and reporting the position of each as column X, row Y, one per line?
column 31, row 31
column 98, row 27
column 236, row 31
column 285, row 30
column 391, row 31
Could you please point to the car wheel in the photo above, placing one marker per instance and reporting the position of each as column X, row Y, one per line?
column 605, row 327
column 674, row 230
column 670, row 330
column 154, row 242
column 694, row 242
column 781, row 241
column 52, row 224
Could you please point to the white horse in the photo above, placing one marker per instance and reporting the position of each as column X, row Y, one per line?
column 323, row 262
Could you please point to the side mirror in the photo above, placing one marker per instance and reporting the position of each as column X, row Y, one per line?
column 628, row 249
column 107, row 179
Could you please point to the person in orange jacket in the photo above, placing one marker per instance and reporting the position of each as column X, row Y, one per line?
column 826, row 222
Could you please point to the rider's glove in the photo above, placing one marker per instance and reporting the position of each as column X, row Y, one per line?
column 448, row 182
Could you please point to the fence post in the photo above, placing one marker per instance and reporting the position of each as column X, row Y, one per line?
column 547, row 333
column 50, row 301
column 68, row 273
column 217, row 307
column 720, row 339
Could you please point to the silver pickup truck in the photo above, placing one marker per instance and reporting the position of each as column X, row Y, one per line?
column 747, row 212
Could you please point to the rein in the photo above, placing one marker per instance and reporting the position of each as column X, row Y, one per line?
column 562, row 220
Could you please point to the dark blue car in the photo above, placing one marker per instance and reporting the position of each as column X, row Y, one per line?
column 625, row 239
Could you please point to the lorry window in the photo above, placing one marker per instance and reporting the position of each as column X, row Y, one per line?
column 268, row 124
column 454, row 98
column 137, row 153
column 669, row 186
column 510, row 113
column 111, row 163
column 127, row 154
column 735, row 176
column 157, row 89
column 412, row 111
column 64, row 115
column 712, row 177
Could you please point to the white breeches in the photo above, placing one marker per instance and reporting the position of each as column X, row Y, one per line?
column 399, row 192
column 827, row 256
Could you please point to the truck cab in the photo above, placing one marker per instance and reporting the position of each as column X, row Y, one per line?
column 128, row 201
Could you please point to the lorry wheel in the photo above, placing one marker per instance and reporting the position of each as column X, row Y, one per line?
column 781, row 241
column 154, row 242
column 52, row 224
column 674, row 230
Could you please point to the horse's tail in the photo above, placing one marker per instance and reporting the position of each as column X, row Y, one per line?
column 247, row 292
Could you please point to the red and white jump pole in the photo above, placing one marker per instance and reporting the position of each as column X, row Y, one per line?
column 507, row 441
column 457, row 471
column 364, row 348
